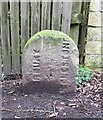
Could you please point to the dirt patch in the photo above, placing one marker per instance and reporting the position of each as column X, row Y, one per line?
column 44, row 101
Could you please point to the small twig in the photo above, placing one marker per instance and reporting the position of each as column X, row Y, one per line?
column 54, row 108
column 8, row 110
column 33, row 110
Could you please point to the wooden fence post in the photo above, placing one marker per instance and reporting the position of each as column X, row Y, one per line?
column 45, row 23
column 35, row 17
column 5, row 40
column 75, row 20
column 0, row 45
column 24, row 23
column 83, row 31
column 56, row 15
column 66, row 20
column 15, row 40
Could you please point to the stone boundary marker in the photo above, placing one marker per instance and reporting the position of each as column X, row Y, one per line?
column 51, row 57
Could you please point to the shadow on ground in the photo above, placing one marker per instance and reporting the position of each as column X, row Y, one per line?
column 39, row 87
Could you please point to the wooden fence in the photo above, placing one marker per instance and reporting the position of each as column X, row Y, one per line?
column 20, row 20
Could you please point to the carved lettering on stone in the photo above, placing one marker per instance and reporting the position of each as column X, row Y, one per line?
column 53, row 60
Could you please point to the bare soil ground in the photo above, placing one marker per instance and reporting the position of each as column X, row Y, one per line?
column 44, row 101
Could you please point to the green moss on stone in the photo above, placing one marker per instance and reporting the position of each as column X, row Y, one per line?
column 56, row 35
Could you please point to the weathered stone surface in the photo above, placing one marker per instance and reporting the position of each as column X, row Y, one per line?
column 94, row 19
column 93, row 60
column 52, row 57
column 95, row 5
column 94, row 47
column 94, row 34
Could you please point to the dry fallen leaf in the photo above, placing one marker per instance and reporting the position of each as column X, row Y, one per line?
column 17, row 117
column 53, row 115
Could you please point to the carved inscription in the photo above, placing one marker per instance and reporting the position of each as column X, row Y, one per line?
column 65, row 63
column 36, row 65
column 51, row 58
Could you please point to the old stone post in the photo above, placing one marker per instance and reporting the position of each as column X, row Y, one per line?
column 51, row 56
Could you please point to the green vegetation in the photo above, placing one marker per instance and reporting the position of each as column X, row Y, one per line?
column 84, row 74
column 56, row 35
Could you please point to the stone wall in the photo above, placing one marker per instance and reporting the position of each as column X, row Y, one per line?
column 93, row 52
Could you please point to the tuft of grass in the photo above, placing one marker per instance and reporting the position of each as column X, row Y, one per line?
column 84, row 74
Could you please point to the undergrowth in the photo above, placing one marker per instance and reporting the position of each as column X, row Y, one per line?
column 84, row 74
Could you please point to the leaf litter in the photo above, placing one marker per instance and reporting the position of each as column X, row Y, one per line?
column 86, row 103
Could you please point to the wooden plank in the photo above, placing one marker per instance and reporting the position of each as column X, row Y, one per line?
column 5, row 40
column 74, row 33
column 24, row 23
column 35, row 17
column 75, row 20
column 56, row 15
column 67, row 10
column 45, row 24
column 48, row 14
column 44, row 16
column 76, row 12
column 83, row 31
column 15, row 40
column 0, row 45
column 0, row 12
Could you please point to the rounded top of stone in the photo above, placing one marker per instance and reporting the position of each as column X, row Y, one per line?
column 57, row 35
